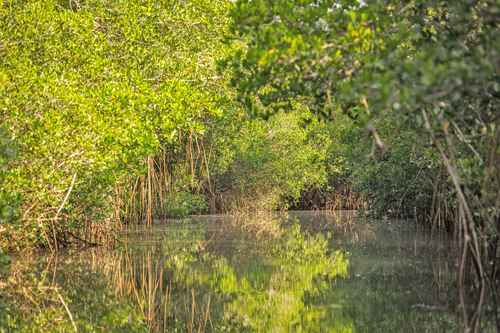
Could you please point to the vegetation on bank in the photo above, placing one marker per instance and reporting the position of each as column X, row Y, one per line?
column 89, row 90
column 127, row 111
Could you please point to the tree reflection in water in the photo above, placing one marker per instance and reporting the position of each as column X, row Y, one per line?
column 209, row 275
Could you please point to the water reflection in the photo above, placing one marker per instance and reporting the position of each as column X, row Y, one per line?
column 63, row 294
column 207, row 275
column 222, row 280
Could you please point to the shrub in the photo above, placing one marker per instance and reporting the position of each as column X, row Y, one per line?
column 273, row 161
column 182, row 204
column 90, row 90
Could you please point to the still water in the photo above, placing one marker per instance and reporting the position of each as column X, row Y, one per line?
column 317, row 272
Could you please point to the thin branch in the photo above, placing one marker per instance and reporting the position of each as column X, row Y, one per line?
column 67, row 310
column 67, row 196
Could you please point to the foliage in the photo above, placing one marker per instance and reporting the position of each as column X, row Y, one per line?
column 381, row 61
column 88, row 90
column 8, row 200
column 4, row 262
column 284, row 51
column 402, row 181
column 182, row 204
column 275, row 160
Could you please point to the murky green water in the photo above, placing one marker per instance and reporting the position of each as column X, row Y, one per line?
column 319, row 274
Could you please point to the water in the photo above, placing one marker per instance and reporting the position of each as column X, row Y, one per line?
column 317, row 273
